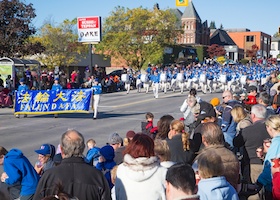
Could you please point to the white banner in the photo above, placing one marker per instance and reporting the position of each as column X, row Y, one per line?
column 89, row 29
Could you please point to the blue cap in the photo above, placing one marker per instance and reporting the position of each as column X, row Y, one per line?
column 45, row 149
column 21, row 80
column 96, row 80
column 56, row 79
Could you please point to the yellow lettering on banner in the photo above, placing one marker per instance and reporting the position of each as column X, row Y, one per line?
column 54, row 106
column 28, row 107
column 67, row 106
column 21, row 107
column 182, row 2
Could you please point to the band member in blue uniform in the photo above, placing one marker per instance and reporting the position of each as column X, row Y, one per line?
column 155, row 79
column 97, row 90
column 22, row 87
column 56, row 87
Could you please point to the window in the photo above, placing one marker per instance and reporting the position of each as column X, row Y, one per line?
column 250, row 38
column 265, row 40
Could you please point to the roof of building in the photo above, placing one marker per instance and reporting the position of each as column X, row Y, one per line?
column 178, row 15
column 190, row 12
column 221, row 37
column 275, row 39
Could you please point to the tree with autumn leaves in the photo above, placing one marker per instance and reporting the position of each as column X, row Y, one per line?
column 61, row 44
column 15, row 29
column 252, row 53
column 138, row 35
column 216, row 51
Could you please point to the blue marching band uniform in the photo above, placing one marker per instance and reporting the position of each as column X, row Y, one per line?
column 207, row 78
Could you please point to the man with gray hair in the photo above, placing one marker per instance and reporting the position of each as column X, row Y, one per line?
column 264, row 99
column 77, row 177
column 252, row 137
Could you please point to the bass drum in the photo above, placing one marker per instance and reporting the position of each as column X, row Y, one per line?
column 163, row 78
column 202, row 78
column 180, row 77
column 124, row 78
column 144, row 78
column 223, row 78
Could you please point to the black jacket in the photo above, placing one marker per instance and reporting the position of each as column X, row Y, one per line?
column 252, row 138
column 78, row 179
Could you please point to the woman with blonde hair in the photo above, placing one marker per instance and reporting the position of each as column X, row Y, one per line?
column 241, row 117
column 273, row 128
column 178, row 143
column 162, row 151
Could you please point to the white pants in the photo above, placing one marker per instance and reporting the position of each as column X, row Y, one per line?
column 138, row 85
column 173, row 84
column 146, row 87
column 209, row 85
column 164, row 86
column 127, row 87
column 155, row 89
column 96, row 99
column 203, row 86
column 189, row 84
column 181, row 86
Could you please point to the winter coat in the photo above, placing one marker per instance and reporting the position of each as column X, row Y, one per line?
column 177, row 151
column 18, row 168
column 230, row 163
column 79, row 179
column 140, row 178
column 216, row 188
column 265, row 178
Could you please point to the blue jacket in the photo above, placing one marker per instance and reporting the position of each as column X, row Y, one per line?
column 216, row 188
column 22, row 87
column 56, row 87
column 265, row 178
column 92, row 155
column 228, row 125
column 18, row 168
column 97, row 89
column 155, row 78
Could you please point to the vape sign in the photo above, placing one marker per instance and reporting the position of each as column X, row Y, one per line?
column 89, row 29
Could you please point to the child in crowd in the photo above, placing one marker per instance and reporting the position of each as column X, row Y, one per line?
column 147, row 126
column 92, row 153
column 212, row 185
column 113, row 179
column 106, row 162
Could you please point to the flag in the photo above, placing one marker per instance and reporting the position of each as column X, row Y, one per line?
column 182, row 2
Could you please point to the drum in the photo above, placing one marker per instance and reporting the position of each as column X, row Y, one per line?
column 180, row 77
column 202, row 78
column 223, row 78
column 144, row 78
column 124, row 78
column 163, row 77
column 243, row 79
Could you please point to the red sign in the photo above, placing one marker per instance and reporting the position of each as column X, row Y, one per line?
column 88, row 22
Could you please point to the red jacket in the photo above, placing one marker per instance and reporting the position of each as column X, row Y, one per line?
column 276, row 186
column 251, row 100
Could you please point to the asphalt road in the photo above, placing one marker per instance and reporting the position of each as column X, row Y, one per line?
column 118, row 112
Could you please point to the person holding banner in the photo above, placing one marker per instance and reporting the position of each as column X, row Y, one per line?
column 97, row 90
column 57, row 87
column 22, row 87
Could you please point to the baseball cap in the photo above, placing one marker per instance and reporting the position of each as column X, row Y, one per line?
column 206, row 110
column 45, row 149
column 115, row 138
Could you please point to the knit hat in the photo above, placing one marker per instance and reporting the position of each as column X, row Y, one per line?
column 215, row 101
column 130, row 134
column 107, row 152
column 114, row 138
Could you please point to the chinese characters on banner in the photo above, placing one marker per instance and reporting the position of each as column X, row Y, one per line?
column 51, row 101
column 89, row 29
